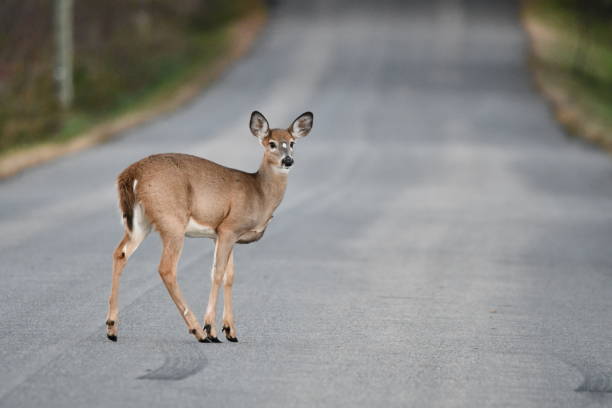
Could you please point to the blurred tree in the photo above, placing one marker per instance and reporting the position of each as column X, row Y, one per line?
column 64, row 52
column 572, row 56
column 65, row 64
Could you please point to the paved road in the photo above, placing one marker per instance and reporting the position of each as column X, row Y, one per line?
column 441, row 243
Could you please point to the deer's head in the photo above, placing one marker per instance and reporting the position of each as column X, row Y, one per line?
column 279, row 143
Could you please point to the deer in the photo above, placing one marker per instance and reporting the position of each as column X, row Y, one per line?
column 180, row 195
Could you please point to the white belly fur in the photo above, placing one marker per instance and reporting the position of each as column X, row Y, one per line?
column 197, row 230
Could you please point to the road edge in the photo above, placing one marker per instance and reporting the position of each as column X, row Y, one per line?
column 571, row 117
column 242, row 34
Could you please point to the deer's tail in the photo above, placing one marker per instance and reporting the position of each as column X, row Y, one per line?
column 127, row 196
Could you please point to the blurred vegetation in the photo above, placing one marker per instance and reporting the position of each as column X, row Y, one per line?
column 572, row 54
column 125, row 52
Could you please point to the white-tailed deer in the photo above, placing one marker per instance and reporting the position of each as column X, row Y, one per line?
column 181, row 195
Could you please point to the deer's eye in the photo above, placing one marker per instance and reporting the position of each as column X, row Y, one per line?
column 291, row 144
column 272, row 145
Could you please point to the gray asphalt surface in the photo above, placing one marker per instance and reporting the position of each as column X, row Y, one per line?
column 441, row 242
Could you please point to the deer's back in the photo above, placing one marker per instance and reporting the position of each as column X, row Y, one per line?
column 174, row 187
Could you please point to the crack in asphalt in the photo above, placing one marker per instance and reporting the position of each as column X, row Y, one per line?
column 180, row 361
column 598, row 382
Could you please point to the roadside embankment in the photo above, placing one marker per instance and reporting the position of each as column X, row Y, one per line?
column 99, row 114
column 571, row 58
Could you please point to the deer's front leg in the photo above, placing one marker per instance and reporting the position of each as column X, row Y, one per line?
column 223, row 249
column 229, row 327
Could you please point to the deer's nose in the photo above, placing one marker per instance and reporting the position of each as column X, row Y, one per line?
column 287, row 161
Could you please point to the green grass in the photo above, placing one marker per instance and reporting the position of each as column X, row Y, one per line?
column 171, row 73
column 572, row 51
column 129, row 58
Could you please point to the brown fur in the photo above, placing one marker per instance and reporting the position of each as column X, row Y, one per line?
column 127, row 199
column 175, row 189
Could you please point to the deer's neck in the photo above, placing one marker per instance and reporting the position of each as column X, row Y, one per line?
column 272, row 184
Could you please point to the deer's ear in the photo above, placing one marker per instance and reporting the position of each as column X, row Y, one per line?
column 301, row 126
column 259, row 125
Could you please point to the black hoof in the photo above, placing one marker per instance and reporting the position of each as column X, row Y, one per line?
column 226, row 329
column 210, row 338
column 111, row 337
column 110, row 323
column 204, row 340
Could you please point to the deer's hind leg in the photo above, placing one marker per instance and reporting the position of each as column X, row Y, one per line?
column 172, row 247
column 124, row 250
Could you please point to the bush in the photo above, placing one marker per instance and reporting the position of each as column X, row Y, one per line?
column 123, row 48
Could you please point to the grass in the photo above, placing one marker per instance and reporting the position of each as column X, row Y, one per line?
column 133, row 61
column 572, row 62
column 172, row 73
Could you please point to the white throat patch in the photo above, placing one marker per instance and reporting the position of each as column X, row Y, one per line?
column 282, row 170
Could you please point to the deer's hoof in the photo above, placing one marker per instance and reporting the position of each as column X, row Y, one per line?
column 226, row 329
column 200, row 339
column 213, row 339
column 112, row 337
